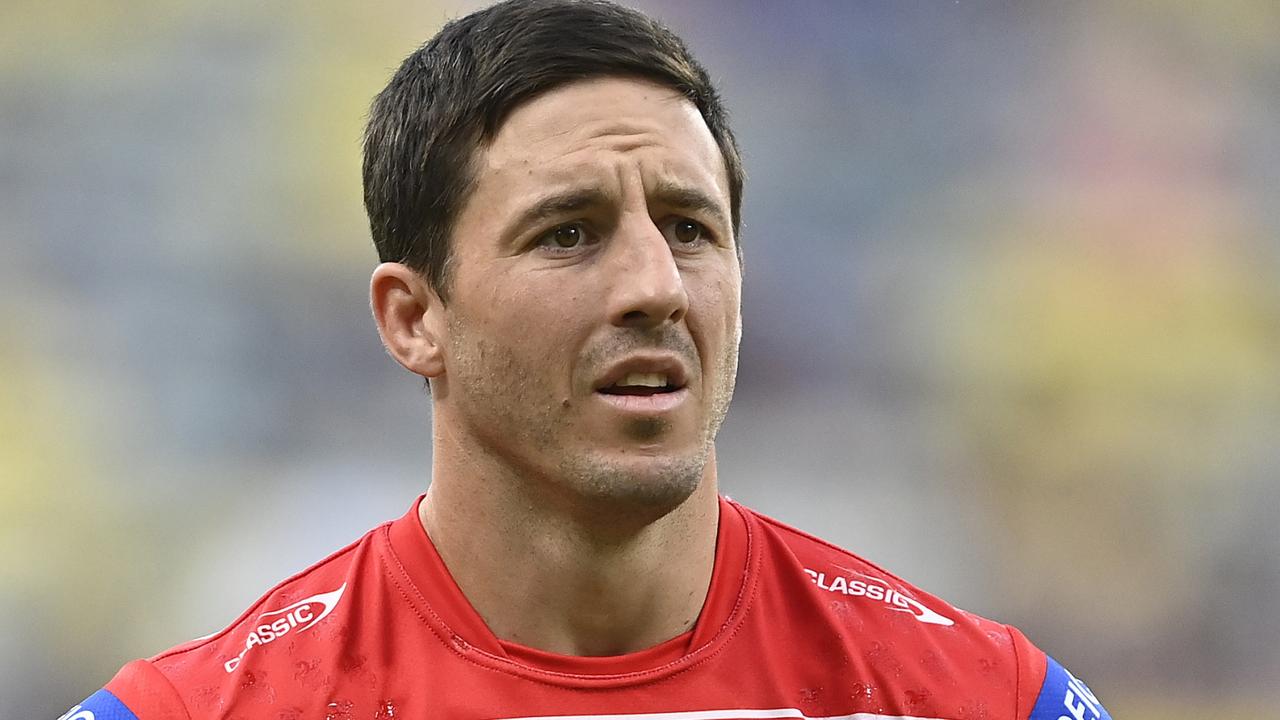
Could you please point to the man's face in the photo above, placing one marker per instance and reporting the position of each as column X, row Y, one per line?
column 592, row 329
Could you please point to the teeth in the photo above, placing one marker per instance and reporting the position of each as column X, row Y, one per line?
column 644, row 380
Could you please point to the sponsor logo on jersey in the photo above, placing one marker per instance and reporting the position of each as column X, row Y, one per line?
column 298, row 617
column 79, row 712
column 1064, row 697
column 788, row 713
column 865, row 586
column 101, row 705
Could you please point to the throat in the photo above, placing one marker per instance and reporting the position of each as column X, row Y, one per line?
column 586, row 599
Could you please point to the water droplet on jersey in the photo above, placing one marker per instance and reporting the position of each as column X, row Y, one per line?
column 916, row 698
column 207, row 697
column 385, row 711
column 338, row 710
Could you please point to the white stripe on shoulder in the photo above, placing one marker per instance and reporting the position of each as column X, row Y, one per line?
column 788, row 713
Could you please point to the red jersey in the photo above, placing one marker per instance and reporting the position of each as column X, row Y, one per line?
column 792, row 627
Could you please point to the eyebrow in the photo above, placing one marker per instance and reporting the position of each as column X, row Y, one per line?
column 684, row 197
column 669, row 194
column 563, row 203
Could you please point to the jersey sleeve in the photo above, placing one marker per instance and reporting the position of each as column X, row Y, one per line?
column 1047, row 691
column 138, row 692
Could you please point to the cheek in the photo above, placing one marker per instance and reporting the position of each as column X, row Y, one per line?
column 721, row 307
column 716, row 323
column 524, row 340
column 509, row 353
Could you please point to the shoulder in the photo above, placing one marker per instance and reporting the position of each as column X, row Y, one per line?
column 839, row 575
column 289, row 610
column 890, row 623
column 195, row 679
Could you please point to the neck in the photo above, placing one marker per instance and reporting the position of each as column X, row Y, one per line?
column 541, row 577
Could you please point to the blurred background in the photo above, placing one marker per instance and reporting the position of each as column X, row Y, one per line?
column 1012, row 318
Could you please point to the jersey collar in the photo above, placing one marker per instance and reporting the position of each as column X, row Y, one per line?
column 442, row 604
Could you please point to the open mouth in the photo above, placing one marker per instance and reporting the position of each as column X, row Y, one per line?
column 643, row 384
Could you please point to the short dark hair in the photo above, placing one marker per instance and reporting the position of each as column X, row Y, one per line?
column 448, row 99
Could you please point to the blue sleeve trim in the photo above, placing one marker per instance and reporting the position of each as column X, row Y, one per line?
column 101, row 705
column 1064, row 697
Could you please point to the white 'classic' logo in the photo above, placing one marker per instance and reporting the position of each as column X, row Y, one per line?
column 874, row 589
column 295, row 618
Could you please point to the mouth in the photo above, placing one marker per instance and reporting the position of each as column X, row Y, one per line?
column 644, row 385
column 641, row 384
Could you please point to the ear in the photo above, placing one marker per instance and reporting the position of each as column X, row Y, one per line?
column 410, row 318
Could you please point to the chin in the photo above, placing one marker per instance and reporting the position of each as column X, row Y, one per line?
column 634, row 487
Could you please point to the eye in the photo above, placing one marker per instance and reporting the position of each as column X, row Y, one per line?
column 570, row 236
column 689, row 232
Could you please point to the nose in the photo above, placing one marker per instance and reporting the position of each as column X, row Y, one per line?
column 648, row 289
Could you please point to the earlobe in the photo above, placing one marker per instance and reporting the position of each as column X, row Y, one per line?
column 408, row 312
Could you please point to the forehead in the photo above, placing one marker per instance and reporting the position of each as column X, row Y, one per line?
column 594, row 121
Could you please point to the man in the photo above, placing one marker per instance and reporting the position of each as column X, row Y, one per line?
column 555, row 195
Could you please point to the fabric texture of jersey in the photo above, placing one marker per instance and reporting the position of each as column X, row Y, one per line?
column 792, row 627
